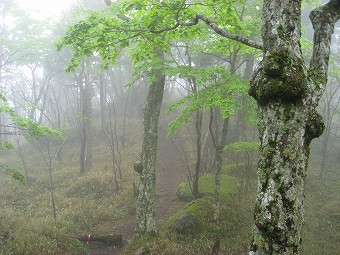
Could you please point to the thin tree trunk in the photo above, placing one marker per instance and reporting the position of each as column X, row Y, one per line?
column 115, row 141
column 54, row 210
column 324, row 150
column 87, row 112
column 48, row 162
column 206, row 153
column 82, row 123
column 198, row 128
column 24, row 162
column 146, row 195
column 219, row 161
column 124, row 118
column 86, row 137
column 83, row 142
column 89, row 147
column 102, row 99
column 112, row 138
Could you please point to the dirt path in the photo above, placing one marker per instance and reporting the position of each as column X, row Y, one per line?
column 169, row 175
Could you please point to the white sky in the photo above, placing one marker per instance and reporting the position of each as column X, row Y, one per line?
column 40, row 9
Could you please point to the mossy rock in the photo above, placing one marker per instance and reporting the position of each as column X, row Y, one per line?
column 206, row 186
column 185, row 224
column 199, row 210
column 183, row 192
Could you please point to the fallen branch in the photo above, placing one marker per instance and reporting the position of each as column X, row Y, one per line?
column 113, row 239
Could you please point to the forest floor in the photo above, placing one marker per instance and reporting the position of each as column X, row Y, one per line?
column 170, row 173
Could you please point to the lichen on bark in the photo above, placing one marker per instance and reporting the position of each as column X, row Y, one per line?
column 146, row 195
column 287, row 93
column 278, row 210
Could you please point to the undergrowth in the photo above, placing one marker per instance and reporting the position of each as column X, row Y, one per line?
column 90, row 202
column 232, row 230
column 84, row 203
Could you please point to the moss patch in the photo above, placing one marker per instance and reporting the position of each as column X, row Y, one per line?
column 234, row 227
column 206, row 185
column 198, row 208
column 281, row 75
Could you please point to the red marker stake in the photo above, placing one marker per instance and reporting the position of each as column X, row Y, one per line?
column 88, row 238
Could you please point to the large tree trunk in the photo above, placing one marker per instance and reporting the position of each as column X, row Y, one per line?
column 146, row 195
column 287, row 94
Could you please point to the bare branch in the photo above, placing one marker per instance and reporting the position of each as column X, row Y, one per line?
column 224, row 33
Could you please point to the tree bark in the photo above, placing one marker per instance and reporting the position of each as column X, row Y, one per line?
column 23, row 161
column 86, row 140
column 102, row 99
column 82, row 125
column 146, row 195
column 219, row 161
column 198, row 129
column 287, row 94
column 87, row 113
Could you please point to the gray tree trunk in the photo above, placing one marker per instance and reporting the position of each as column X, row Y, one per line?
column 82, row 126
column 102, row 99
column 85, row 123
column 329, row 105
column 287, row 93
column 219, row 161
column 146, row 195
column 87, row 113
column 198, row 129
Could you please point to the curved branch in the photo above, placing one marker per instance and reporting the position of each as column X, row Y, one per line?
column 224, row 33
column 323, row 19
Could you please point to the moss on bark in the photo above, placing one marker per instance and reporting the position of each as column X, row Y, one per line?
column 281, row 76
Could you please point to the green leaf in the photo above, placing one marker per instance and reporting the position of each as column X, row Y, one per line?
column 6, row 145
column 219, row 89
column 243, row 147
column 14, row 173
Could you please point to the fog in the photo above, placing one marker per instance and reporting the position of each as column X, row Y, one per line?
column 71, row 141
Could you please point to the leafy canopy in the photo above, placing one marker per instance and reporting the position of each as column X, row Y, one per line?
column 144, row 26
column 219, row 89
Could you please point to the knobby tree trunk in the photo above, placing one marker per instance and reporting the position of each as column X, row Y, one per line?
column 287, row 93
column 146, row 195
